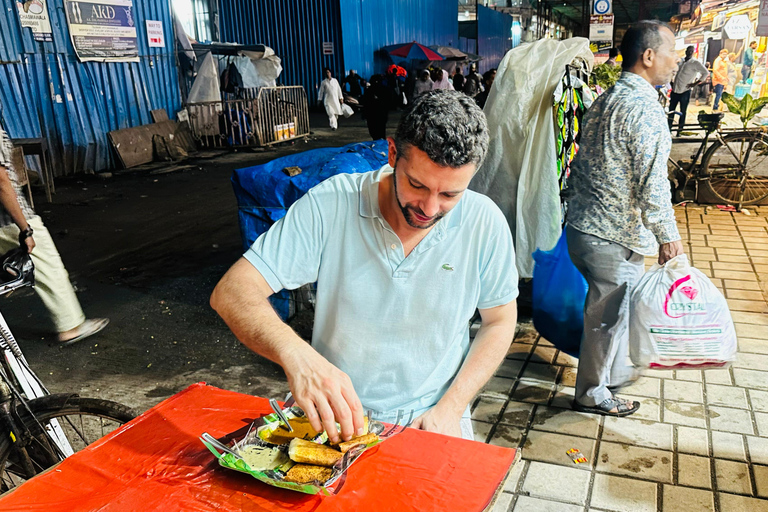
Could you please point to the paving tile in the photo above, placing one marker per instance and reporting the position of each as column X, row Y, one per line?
column 731, row 250
column 732, row 477
column 732, row 258
column 543, row 355
column 693, row 440
column 533, row 392
column 507, row 436
column 761, row 480
column 761, row 268
column 751, row 331
column 718, row 377
column 619, row 494
column 761, row 419
column 691, row 375
column 734, row 274
column 730, row 420
column 681, row 413
column 649, row 408
column 759, row 260
column 750, row 378
column 731, row 284
column 572, row 484
column 758, row 449
column 727, row 396
column 638, row 432
column 510, row 484
column 682, row 499
column 749, row 306
column 503, row 503
column 497, row 387
column 683, row 391
column 660, row 374
column 635, row 461
column 563, row 397
column 568, row 376
column 487, row 410
column 517, row 414
column 526, row 334
column 550, row 447
column 564, row 359
column 510, row 369
column 740, row 317
column 565, row 421
column 481, row 430
column 744, row 295
column 753, row 346
column 519, row 351
column 543, row 342
column 644, row 386
column 537, row 372
column 728, row 446
column 698, row 258
column 751, row 361
column 730, row 265
column 694, row 471
column 758, row 399
column 528, row 504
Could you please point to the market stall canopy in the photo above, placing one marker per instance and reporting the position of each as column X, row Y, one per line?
column 449, row 52
column 412, row 50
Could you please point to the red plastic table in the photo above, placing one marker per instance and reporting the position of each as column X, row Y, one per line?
column 156, row 462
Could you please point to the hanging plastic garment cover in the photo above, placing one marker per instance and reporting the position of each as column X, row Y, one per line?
column 520, row 171
column 559, row 292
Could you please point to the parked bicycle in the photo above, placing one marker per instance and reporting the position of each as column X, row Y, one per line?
column 734, row 169
column 39, row 429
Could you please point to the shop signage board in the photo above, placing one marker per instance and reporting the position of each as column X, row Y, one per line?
column 600, row 46
column 103, row 30
column 718, row 21
column 601, row 28
column 738, row 27
column 34, row 14
column 762, row 19
column 602, row 7
column 328, row 48
column 155, row 34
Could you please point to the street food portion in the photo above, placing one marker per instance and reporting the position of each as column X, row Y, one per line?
column 305, row 474
column 356, row 441
column 313, row 453
column 262, row 458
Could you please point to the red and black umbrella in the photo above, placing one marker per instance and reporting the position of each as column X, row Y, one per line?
column 413, row 51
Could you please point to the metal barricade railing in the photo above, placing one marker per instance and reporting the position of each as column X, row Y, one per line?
column 275, row 115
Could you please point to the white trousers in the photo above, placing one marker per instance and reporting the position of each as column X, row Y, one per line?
column 334, row 120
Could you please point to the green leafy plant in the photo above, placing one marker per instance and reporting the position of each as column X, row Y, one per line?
column 747, row 108
column 605, row 75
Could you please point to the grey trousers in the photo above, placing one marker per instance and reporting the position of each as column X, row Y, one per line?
column 611, row 271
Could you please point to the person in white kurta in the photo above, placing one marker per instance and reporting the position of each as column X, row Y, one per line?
column 331, row 97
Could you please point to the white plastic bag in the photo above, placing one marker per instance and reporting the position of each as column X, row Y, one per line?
column 347, row 110
column 679, row 319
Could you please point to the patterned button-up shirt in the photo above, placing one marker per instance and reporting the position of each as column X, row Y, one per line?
column 619, row 189
column 5, row 161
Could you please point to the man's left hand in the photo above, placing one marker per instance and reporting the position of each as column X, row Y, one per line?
column 440, row 421
column 669, row 251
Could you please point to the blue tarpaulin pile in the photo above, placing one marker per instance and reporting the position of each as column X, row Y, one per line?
column 264, row 192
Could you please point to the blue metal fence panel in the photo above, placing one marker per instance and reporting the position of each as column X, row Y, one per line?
column 494, row 36
column 368, row 25
column 296, row 31
column 45, row 91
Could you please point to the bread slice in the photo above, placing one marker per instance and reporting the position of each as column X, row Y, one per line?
column 308, row 452
column 304, row 474
column 364, row 439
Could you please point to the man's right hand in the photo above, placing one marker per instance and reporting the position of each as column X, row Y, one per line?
column 669, row 251
column 325, row 394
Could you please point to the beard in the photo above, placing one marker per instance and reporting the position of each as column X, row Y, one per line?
column 409, row 210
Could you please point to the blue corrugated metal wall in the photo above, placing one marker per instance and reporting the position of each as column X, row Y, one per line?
column 45, row 91
column 368, row 25
column 494, row 37
column 296, row 32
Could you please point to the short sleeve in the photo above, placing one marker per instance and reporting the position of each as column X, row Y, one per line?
column 288, row 255
column 498, row 272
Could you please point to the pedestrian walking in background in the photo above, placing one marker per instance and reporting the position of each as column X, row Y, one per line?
column 355, row 83
column 720, row 76
column 488, row 78
column 749, row 59
column 331, row 97
column 690, row 73
column 458, row 79
column 20, row 225
column 376, row 105
column 474, row 82
column 620, row 210
column 423, row 84
column 444, row 82
column 733, row 73
column 703, row 91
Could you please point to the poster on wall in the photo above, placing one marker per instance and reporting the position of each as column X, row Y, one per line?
column 601, row 28
column 103, row 30
column 34, row 14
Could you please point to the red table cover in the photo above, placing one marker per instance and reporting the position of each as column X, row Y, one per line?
column 157, row 462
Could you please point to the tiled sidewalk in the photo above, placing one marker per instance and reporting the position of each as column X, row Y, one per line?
column 700, row 440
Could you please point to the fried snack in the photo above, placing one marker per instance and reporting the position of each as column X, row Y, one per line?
column 301, row 429
column 312, row 453
column 304, row 474
column 355, row 441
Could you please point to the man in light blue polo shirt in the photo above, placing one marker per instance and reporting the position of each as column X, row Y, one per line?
column 402, row 257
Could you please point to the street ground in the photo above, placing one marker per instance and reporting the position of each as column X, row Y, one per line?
column 146, row 248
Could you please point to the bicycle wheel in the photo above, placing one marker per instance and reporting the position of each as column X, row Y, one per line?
column 82, row 421
column 735, row 170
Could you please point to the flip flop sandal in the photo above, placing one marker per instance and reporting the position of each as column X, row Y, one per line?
column 88, row 328
column 623, row 407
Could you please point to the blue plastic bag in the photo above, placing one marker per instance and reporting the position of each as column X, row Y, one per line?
column 559, row 292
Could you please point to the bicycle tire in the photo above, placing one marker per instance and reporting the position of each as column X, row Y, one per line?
column 60, row 407
column 723, row 175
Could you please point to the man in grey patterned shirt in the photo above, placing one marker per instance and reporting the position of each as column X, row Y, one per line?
column 18, row 222
column 620, row 210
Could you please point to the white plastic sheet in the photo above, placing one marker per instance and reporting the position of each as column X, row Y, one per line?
column 206, row 86
column 520, row 171
column 679, row 319
column 268, row 67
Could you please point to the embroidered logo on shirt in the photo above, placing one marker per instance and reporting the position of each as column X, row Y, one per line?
column 447, row 267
